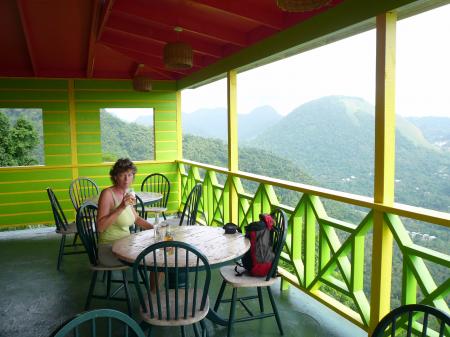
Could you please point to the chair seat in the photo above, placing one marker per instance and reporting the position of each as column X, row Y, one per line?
column 245, row 280
column 155, row 209
column 71, row 229
column 100, row 267
column 198, row 315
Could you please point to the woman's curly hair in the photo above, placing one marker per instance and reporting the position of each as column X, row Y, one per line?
column 120, row 166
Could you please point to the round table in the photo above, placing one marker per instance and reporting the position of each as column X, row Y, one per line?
column 149, row 197
column 218, row 247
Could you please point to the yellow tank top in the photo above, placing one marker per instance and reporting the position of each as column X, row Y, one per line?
column 120, row 228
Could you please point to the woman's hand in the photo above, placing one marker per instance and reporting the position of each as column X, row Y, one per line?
column 128, row 199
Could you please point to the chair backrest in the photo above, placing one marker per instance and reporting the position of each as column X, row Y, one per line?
column 157, row 183
column 191, row 206
column 405, row 318
column 100, row 322
column 81, row 189
column 87, row 229
column 58, row 214
column 139, row 207
column 170, row 299
column 278, row 238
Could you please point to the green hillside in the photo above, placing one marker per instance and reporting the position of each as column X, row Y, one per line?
column 332, row 139
column 122, row 139
column 253, row 160
column 435, row 129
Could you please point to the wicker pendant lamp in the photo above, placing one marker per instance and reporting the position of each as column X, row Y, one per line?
column 178, row 55
column 142, row 83
column 301, row 5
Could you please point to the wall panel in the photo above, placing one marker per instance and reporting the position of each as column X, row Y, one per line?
column 23, row 199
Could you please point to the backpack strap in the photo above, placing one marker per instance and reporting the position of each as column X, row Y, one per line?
column 237, row 272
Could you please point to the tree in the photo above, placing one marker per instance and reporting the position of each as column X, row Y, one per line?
column 17, row 143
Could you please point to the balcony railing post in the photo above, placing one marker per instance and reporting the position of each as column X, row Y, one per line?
column 233, row 165
column 384, row 167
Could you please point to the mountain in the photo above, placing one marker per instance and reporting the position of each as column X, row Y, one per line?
column 435, row 129
column 144, row 120
column 332, row 139
column 214, row 151
column 122, row 139
column 212, row 123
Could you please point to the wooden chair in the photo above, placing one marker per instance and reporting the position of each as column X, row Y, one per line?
column 414, row 320
column 163, row 303
column 63, row 228
column 246, row 281
column 99, row 322
column 87, row 229
column 82, row 189
column 157, row 183
column 189, row 215
column 140, row 210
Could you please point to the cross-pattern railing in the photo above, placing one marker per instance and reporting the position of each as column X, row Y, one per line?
column 326, row 257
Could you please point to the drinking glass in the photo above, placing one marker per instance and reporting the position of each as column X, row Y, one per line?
column 132, row 194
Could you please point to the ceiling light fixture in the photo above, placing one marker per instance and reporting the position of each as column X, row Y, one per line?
column 294, row 6
column 178, row 55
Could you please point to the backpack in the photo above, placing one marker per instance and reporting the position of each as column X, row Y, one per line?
column 258, row 260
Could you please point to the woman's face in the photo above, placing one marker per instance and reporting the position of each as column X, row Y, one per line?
column 124, row 179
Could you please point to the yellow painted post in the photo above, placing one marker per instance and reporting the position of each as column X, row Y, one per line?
column 73, row 129
column 384, row 166
column 232, row 142
column 179, row 143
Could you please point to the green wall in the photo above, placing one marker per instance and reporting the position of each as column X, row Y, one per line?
column 71, row 124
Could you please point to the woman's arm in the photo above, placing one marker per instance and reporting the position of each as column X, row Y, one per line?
column 141, row 222
column 106, row 215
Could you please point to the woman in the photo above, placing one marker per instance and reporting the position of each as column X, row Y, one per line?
column 116, row 212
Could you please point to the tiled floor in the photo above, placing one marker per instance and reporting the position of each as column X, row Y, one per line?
column 35, row 298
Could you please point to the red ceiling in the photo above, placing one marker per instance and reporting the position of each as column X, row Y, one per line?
column 110, row 38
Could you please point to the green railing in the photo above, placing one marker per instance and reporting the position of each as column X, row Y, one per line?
column 326, row 257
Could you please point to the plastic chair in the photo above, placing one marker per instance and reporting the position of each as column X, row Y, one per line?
column 82, row 189
column 97, row 322
column 87, row 229
column 405, row 319
column 166, row 303
column 63, row 228
column 189, row 215
column 157, row 183
column 246, row 281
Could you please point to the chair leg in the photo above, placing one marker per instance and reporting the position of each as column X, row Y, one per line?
column 75, row 237
column 183, row 331
column 108, row 284
column 219, row 296
column 261, row 301
column 232, row 312
column 61, row 251
column 275, row 310
column 150, row 331
column 204, row 328
column 127, row 293
column 91, row 290
column 194, row 326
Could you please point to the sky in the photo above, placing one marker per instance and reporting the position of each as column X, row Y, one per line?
column 347, row 67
